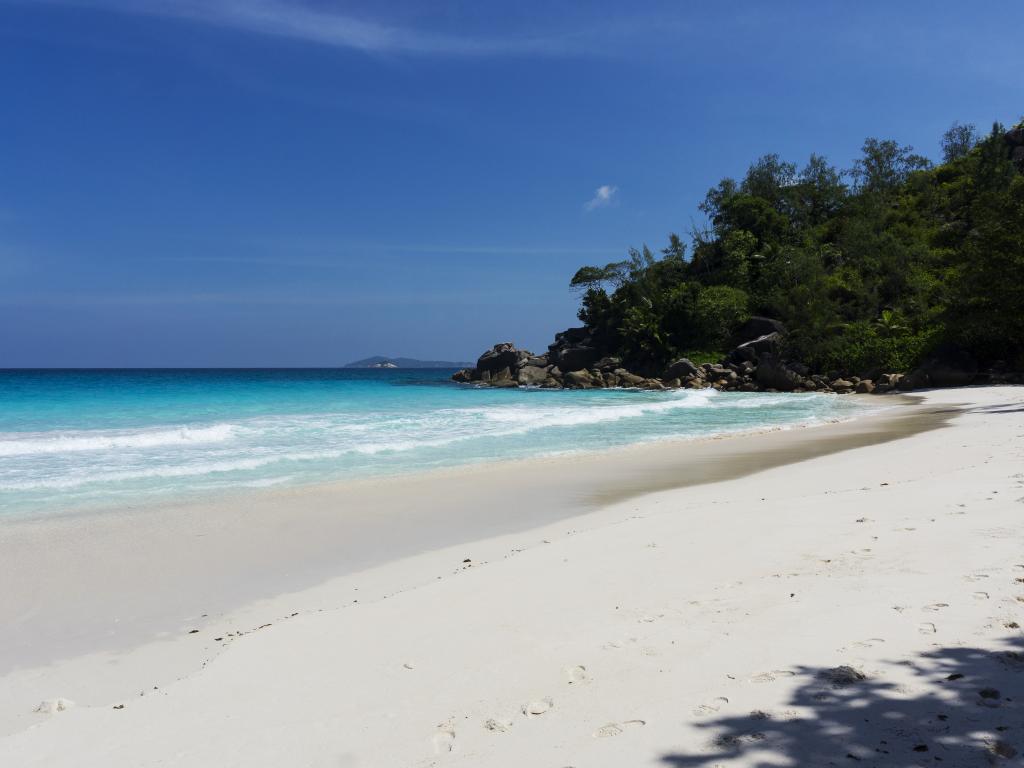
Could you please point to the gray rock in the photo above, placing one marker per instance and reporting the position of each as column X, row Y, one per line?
column 532, row 375
column 503, row 355
column 772, row 373
column 680, row 368
column 572, row 335
column 865, row 387
column 628, row 379
column 576, row 358
column 578, row 380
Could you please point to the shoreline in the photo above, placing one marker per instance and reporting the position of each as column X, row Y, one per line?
column 530, row 594
column 243, row 547
column 229, row 493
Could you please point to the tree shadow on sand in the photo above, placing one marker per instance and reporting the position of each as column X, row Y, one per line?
column 963, row 707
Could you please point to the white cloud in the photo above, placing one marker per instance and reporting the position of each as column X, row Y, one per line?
column 324, row 25
column 603, row 197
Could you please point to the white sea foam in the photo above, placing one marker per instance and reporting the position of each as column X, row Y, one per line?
column 271, row 449
column 526, row 418
column 105, row 440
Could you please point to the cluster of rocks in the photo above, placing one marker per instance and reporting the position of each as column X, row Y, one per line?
column 756, row 364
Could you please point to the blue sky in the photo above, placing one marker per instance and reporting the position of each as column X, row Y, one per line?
column 232, row 182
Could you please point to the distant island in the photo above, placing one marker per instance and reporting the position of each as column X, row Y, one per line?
column 404, row 362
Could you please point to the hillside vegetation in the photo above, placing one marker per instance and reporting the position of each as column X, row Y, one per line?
column 869, row 268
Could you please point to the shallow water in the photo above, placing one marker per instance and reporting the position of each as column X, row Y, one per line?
column 75, row 439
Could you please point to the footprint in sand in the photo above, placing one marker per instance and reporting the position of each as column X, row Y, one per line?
column 926, row 628
column 933, row 607
column 771, row 677
column 871, row 642
column 497, row 726
column 538, row 707
column 711, row 707
column 976, row 576
column 444, row 739
column 576, row 674
column 52, row 706
column 614, row 645
column 980, row 595
column 615, row 729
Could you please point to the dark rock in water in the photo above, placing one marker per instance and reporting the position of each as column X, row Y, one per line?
column 717, row 371
column 772, row 373
column 680, row 369
column 627, row 379
column 576, row 358
column 756, row 327
column 504, row 355
column 464, row 376
column 579, row 380
column 504, row 374
column 948, row 366
column 531, row 375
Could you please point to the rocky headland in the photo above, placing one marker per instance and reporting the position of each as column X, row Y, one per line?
column 757, row 363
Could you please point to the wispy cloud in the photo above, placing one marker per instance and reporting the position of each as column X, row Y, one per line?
column 603, row 197
column 301, row 20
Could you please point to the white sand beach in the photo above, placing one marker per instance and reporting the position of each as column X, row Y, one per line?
column 847, row 594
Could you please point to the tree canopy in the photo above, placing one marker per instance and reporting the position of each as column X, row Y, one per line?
column 869, row 267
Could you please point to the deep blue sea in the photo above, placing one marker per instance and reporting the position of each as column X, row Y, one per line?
column 85, row 438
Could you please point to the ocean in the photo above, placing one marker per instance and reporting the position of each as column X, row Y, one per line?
column 81, row 439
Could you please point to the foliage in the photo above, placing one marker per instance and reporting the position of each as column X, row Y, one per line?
column 869, row 268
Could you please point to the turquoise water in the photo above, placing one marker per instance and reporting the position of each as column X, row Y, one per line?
column 76, row 439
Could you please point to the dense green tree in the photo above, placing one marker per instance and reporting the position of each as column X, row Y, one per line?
column 869, row 275
column 958, row 141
